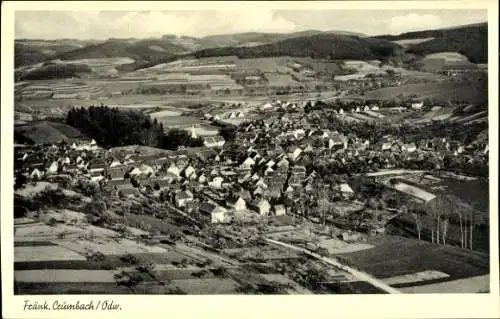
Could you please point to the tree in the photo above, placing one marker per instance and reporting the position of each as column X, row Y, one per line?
column 228, row 132
column 20, row 181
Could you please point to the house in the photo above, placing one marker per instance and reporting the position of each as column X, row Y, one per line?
column 117, row 184
column 146, row 170
column 238, row 205
column 269, row 170
column 174, row 170
column 262, row 207
column 117, row 172
column 97, row 177
column 214, row 141
column 283, row 163
column 261, row 183
column 279, row 210
column 410, row 148
column 245, row 195
column 295, row 153
column 337, row 141
column 216, row 182
column 36, row 174
column 189, row 171
column 350, row 236
column 213, row 212
column 417, row 105
column 202, row 178
column 128, row 191
column 270, row 163
column 386, row 146
column 115, row 163
column 53, row 168
column 299, row 134
column 346, row 190
column 183, row 197
column 97, row 166
column 248, row 163
column 396, row 147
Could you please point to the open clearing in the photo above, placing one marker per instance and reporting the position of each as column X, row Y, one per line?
column 409, row 42
column 414, row 191
column 62, row 275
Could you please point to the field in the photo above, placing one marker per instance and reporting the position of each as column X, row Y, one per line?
column 394, row 256
column 45, row 132
column 279, row 80
column 443, row 91
column 79, row 258
column 445, row 60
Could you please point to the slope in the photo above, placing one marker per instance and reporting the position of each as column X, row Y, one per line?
column 332, row 46
column 469, row 40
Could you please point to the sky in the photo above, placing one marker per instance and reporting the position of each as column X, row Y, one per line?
column 143, row 24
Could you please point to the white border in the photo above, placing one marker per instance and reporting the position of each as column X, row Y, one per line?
column 319, row 306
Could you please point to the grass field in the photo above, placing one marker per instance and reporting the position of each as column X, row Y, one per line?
column 443, row 91
column 394, row 256
column 46, row 132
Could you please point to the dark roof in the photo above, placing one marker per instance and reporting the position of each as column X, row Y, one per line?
column 207, row 207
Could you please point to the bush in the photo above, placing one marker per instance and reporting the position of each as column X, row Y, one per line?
column 130, row 259
column 52, row 222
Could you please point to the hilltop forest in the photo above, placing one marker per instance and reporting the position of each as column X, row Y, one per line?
column 111, row 127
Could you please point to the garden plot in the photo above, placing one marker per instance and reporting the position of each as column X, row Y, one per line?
column 263, row 253
column 44, row 253
column 110, row 247
column 40, row 231
column 278, row 79
column 64, row 276
column 64, row 216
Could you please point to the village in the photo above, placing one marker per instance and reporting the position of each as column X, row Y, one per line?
column 281, row 164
